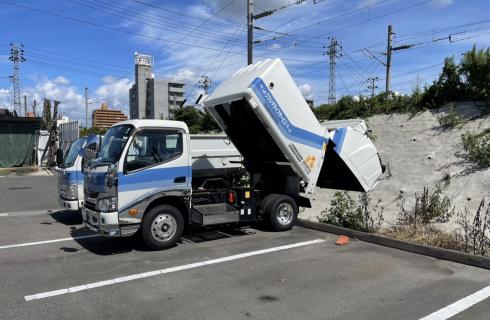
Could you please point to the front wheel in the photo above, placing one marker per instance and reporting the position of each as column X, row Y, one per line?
column 282, row 212
column 162, row 227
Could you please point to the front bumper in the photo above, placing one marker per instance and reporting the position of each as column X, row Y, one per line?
column 107, row 223
column 70, row 204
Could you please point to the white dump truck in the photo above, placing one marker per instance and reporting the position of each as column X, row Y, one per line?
column 70, row 178
column 143, row 177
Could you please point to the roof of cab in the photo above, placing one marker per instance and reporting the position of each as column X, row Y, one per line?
column 137, row 123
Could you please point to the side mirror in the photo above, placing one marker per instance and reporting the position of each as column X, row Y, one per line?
column 59, row 157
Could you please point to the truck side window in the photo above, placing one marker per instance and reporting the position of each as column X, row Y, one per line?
column 152, row 147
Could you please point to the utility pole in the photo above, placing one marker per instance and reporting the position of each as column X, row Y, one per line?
column 372, row 84
column 17, row 57
column 250, row 24
column 34, row 108
column 250, row 31
column 205, row 83
column 389, row 51
column 333, row 52
column 86, row 108
column 25, row 106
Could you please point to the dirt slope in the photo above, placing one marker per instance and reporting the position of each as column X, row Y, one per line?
column 420, row 153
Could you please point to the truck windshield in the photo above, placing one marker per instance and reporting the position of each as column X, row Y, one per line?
column 71, row 156
column 113, row 143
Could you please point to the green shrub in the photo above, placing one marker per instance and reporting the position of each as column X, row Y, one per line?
column 450, row 120
column 478, row 147
column 345, row 212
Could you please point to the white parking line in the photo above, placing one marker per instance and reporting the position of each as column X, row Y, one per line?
column 28, row 213
column 27, row 244
column 104, row 283
column 459, row 306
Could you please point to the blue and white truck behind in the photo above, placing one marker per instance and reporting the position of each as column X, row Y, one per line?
column 70, row 177
column 145, row 174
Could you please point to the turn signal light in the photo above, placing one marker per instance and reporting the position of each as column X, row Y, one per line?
column 231, row 196
column 133, row 212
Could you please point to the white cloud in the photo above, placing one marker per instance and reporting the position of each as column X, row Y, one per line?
column 72, row 100
column 61, row 80
column 4, row 98
column 115, row 92
column 186, row 74
column 306, row 91
column 442, row 3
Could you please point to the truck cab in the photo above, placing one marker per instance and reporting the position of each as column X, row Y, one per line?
column 70, row 178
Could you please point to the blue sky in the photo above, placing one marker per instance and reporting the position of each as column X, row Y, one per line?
column 70, row 44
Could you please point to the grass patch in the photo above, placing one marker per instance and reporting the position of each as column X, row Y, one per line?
column 478, row 147
column 418, row 223
column 450, row 120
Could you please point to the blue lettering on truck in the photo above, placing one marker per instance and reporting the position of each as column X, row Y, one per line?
column 287, row 128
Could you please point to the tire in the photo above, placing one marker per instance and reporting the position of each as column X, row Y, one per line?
column 282, row 213
column 264, row 209
column 162, row 227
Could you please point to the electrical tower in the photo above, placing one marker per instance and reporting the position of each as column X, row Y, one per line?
column 333, row 52
column 372, row 84
column 17, row 57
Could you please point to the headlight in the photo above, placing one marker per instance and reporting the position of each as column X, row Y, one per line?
column 70, row 192
column 107, row 204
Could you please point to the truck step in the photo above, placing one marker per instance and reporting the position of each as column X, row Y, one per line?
column 210, row 214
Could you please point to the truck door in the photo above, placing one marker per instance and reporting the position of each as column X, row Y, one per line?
column 351, row 161
column 156, row 160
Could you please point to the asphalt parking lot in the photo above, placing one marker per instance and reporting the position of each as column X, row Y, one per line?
column 51, row 267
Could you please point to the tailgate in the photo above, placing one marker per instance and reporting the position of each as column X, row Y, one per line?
column 351, row 162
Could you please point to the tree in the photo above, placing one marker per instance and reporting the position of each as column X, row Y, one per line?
column 93, row 130
column 475, row 69
column 197, row 121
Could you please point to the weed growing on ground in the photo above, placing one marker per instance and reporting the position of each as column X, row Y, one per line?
column 450, row 120
column 478, row 147
column 430, row 206
column 474, row 235
column 345, row 212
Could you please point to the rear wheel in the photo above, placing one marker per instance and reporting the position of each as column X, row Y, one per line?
column 282, row 213
column 264, row 209
column 162, row 227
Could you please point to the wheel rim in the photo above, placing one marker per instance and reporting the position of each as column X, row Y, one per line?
column 284, row 213
column 163, row 227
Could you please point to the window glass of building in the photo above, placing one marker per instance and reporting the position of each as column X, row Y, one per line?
column 152, row 147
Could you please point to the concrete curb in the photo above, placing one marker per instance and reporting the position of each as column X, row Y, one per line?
column 444, row 254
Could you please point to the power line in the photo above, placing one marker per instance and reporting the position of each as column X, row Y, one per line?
column 157, row 25
column 340, row 16
column 180, row 13
column 318, row 37
column 105, row 26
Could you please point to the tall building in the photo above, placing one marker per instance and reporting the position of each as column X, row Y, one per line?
column 104, row 118
column 151, row 98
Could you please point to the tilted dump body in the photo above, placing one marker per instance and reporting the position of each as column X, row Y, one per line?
column 266, row 117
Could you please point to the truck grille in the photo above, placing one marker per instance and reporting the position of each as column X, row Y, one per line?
column 90, row 205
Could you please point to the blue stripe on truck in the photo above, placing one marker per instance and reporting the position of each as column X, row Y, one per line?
column 153, row 178
column 338, row 139
column 287, row 128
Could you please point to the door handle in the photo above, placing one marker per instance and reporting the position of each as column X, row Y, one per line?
column 181, row 179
